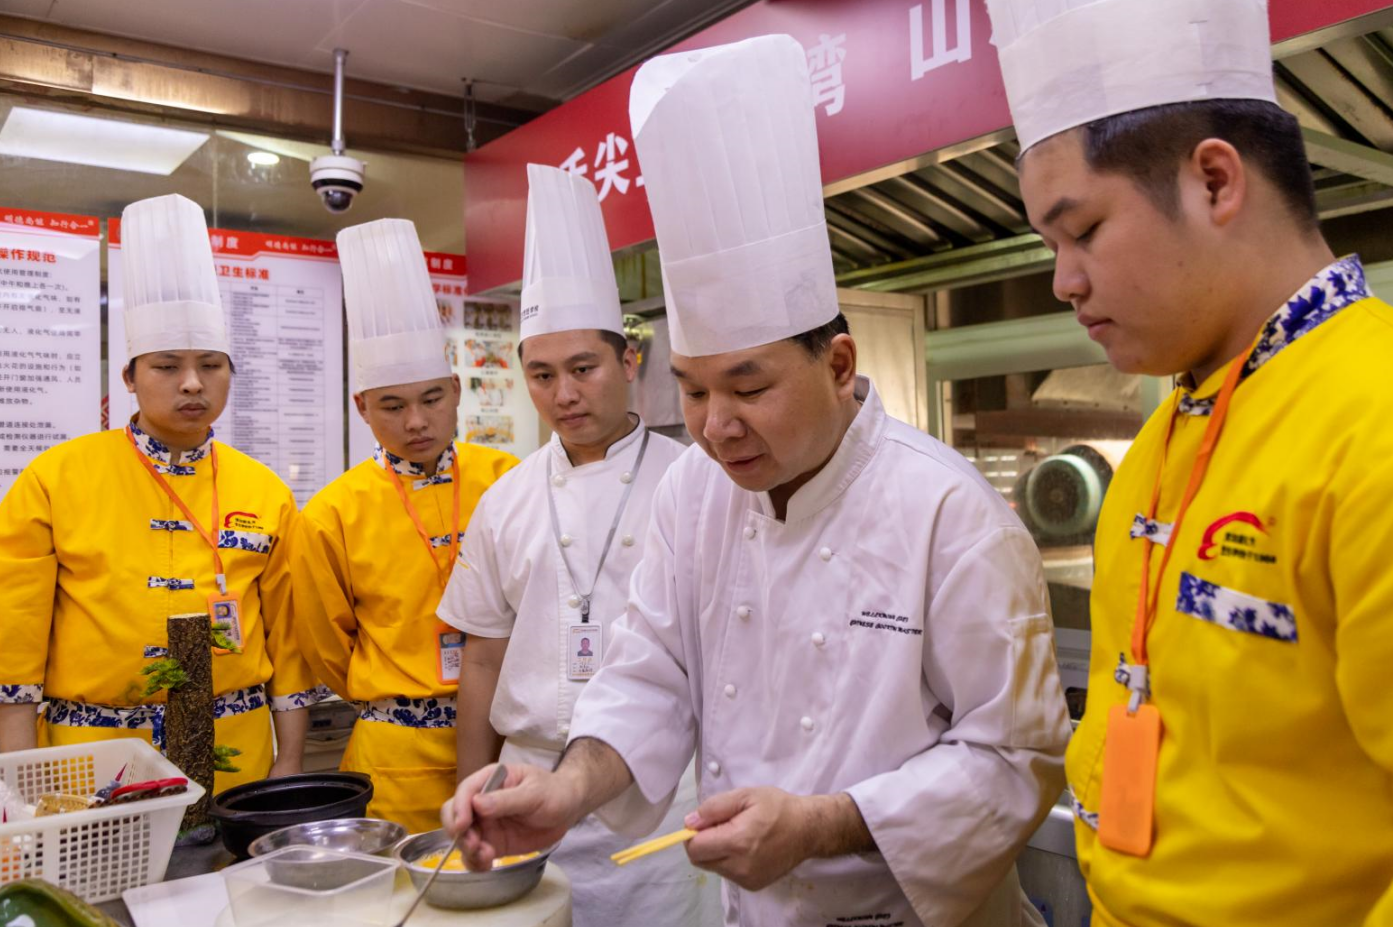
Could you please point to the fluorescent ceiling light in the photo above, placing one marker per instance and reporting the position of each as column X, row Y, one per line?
column 263, row 158
column 124, row 146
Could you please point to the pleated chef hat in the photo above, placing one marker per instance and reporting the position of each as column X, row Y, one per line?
column 170, row 287
column 567, row 275
column 728, row 146
column 393, row 322
column 1069, row 62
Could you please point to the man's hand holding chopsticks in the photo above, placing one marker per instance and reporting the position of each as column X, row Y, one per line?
column 754, row 837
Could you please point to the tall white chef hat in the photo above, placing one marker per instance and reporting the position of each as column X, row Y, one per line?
column 1069, row 62
column 393, row 322
column 171, row 289
column 567, row 273
column 728, row 146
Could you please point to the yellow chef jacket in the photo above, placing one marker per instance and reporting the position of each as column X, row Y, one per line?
column 1272, row 651
column 365, row 599
column 95, row 557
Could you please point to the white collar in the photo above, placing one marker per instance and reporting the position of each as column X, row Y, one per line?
column 859, row 445
column 560, row 460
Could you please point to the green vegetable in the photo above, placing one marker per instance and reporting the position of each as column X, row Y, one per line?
column 221, row 640
column 164, row 674
column 222, row 759
column 43, row 903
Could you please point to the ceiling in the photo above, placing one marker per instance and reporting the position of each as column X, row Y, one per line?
column 237, row 194
column 528, row 54
column 961, row 221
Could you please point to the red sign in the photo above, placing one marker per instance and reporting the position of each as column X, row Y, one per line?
column 29, row 219
column 892, row 80
column 230, row 243
column 446, row 265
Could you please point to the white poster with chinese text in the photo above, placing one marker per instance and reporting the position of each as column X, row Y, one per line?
column 50, row 334
column 283, row 297
column 481, row 340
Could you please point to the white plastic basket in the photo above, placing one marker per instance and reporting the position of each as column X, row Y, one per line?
column 99, row 853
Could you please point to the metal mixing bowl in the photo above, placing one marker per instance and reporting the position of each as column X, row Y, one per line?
column 467, row 889
column 356, row 835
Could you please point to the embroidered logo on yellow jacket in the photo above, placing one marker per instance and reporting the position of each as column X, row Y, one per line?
column 365, row 599
column 95, row 557
column 1273, row 642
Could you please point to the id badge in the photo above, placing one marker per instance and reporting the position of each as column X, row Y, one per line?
column 225, row 612
column 584, row 651
column 449, row 653
column 1127, row 807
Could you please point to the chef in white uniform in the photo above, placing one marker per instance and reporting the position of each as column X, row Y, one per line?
column 546, row 561
column 835, row 611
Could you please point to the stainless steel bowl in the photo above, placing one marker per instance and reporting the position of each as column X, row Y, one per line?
column 467, row 889
column 356, row 835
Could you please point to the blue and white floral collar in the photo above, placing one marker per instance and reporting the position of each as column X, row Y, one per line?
column 401, row 465
column 1337, row 286
column 159, row 452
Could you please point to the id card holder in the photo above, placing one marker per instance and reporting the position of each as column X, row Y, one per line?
column 449, row 653
column 584, row 651
column 225, row 613
column 1127, row 807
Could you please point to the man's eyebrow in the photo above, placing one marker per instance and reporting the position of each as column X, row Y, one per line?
column 678, row 372
column 1058, row 209
column 743, row 369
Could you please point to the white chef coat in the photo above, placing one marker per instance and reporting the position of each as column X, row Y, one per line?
column 513, row 583
column 889, row 639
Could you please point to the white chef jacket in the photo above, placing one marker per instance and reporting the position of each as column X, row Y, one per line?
column 889, row 639
column 512, row 583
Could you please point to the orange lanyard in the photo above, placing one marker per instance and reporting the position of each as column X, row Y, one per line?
column 443, row 575
column 210, row 536
column 1147, row 600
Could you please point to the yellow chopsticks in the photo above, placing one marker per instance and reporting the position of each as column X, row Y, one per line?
column 624, row 857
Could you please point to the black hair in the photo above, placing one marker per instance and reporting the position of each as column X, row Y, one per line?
column 816, row 341
column 618, row 342
column 130, row 367
column 1148, row 146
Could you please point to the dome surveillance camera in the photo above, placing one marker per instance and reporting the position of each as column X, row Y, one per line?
column 337, row 179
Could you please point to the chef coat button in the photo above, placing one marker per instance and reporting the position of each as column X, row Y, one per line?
column 825, row 553
column 807, row 723
column 819, row 639
column 565, row 540
column 573, row 601
column 558, row 480
column 628, row 540
column 713, row 768
column 626, row 477
column 749, row 534
column 730, row 691
column 743, row 611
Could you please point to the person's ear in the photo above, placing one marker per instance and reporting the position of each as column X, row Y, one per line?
column 841, row 361
column 1216, row 168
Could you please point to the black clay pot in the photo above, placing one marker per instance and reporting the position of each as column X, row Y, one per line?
column 248, row 811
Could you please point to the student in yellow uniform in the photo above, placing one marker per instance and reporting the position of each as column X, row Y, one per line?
column 103, row 537
column 374, row 549
column 1235, row 762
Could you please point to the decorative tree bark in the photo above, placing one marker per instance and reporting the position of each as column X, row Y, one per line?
column 188, row 719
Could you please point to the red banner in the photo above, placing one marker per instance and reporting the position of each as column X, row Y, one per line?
column 892, row 80
column 232, row 243
column 446, row 265
column 85, row 226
